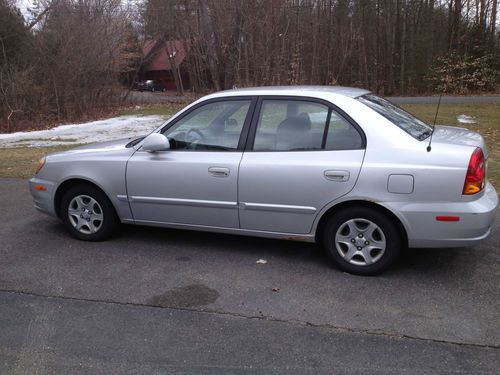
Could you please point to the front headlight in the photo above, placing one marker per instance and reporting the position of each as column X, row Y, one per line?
column 40, row 165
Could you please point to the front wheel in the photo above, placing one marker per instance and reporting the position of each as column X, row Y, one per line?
column 88, row 214
column 362, row 241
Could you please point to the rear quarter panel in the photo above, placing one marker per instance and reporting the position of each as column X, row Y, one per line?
column 438, row 175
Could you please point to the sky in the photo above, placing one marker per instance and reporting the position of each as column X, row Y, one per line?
column 23, row 5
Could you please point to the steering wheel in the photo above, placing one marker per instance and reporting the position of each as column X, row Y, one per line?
column 194, row 135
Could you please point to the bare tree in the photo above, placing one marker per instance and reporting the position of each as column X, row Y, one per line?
column 72, row 56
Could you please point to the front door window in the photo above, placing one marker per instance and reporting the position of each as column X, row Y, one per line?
column 214, row 126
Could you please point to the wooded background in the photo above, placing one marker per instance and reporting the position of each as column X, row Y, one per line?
column 70, row 58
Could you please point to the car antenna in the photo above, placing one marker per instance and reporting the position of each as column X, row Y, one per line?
column 429, row 148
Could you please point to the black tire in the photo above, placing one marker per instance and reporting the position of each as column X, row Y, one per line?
column 102, row 216
column 356, row 217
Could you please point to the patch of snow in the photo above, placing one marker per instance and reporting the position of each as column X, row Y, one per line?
column 90, row 132
column 464, row 119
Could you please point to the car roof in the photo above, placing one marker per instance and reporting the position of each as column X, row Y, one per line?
column 351, row 92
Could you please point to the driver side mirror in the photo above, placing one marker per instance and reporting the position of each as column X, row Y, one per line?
column 156, row 142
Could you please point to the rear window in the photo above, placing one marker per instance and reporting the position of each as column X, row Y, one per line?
column 399, row 117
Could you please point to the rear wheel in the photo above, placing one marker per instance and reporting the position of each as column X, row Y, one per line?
column 88, row 214
column 362, row 240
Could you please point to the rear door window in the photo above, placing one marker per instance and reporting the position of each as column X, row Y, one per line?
column 342, row 135
column 297, row 125
column 290, row 125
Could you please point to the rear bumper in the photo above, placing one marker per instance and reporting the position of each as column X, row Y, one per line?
column 43, row 199
column 476, row 221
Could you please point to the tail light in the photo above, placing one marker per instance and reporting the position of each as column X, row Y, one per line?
column 476, row 172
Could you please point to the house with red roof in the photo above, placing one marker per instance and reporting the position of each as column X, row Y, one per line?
column 162, row 60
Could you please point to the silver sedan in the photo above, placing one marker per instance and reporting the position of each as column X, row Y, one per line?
column 334, row 165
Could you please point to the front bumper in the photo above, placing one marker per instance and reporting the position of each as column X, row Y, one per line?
column 43, row 199
column 476, row 221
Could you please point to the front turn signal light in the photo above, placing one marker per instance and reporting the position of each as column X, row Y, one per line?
column 40, row 165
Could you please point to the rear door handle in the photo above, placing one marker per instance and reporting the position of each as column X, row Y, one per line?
column 218, row 171
column 340, row 176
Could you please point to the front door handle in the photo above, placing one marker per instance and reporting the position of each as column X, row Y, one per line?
column 340, row 176
column 218, row 171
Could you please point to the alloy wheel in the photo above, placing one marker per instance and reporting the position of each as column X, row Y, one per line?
column 85, row 214
column 360, row 242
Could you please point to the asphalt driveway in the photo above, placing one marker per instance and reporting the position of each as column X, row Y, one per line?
column 165, row 301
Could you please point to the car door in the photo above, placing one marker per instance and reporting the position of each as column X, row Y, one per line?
column 302, row 154
column 195, row 182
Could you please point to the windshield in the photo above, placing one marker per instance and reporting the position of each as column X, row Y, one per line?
column 406, row 121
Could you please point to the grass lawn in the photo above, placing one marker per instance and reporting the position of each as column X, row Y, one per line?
column 21, row 162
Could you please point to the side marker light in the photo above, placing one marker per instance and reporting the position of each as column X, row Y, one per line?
column 448, row 218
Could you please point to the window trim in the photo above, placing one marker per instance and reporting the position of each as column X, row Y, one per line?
column 331, row 107
column 244, row 130
column 327, row 128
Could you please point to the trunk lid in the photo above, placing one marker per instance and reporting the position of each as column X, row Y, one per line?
column 459, row 136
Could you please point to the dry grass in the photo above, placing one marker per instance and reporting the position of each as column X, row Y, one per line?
column 22, row 161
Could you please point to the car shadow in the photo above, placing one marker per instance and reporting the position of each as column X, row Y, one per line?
column 225, row 242
column 436, row 263
column 412, row 261
column 440, row 263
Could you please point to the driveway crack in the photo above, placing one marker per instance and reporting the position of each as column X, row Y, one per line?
column 390, row 335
